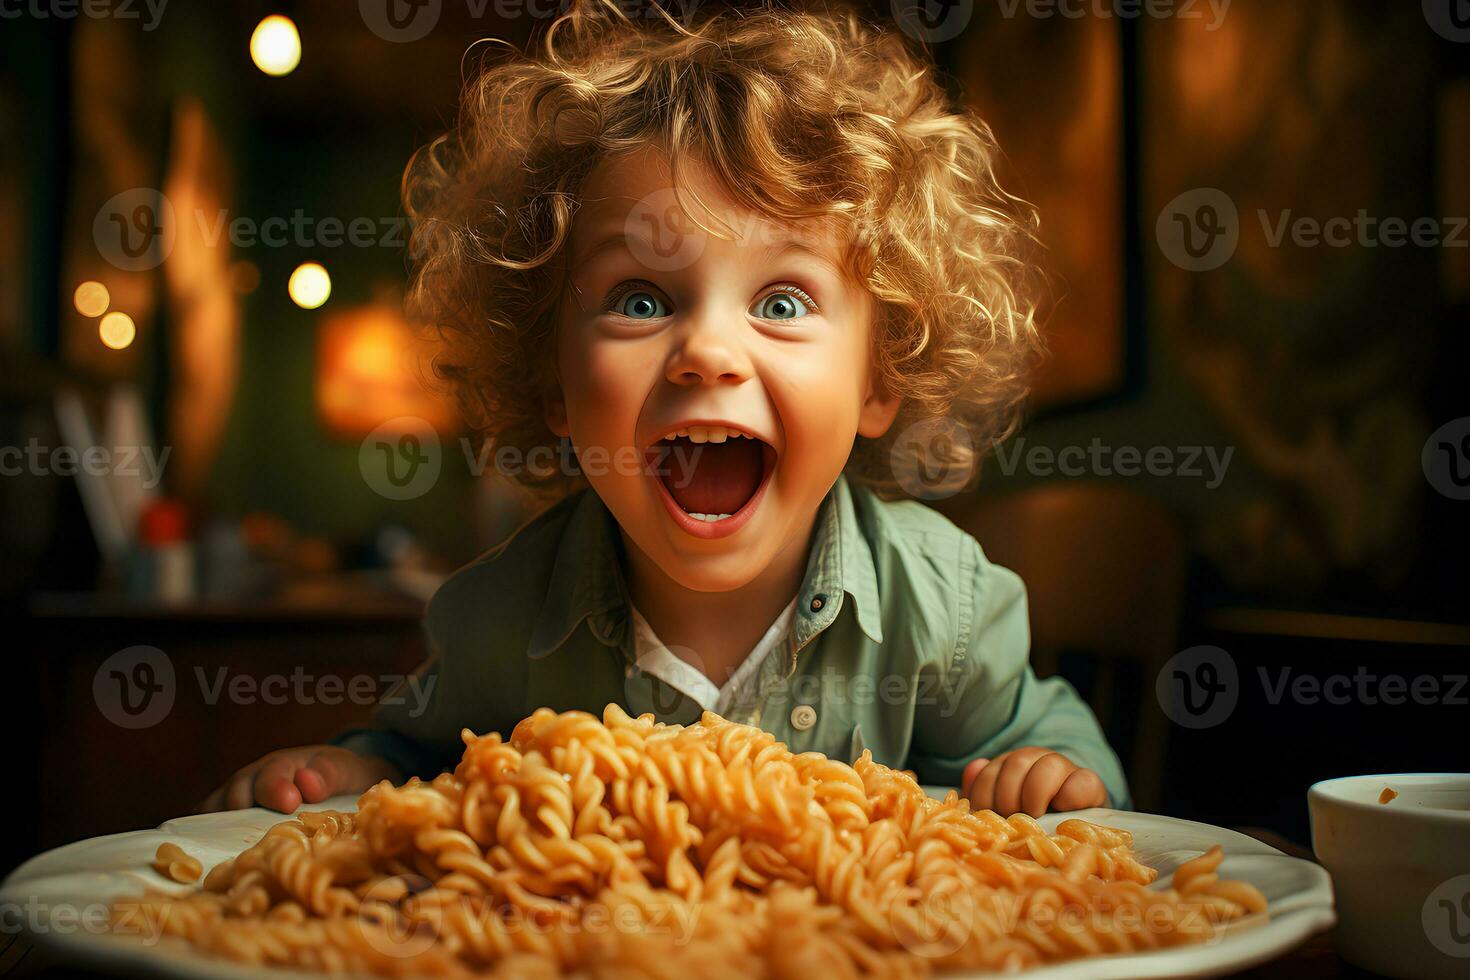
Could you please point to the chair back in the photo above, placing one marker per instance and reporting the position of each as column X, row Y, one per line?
column 1104, row 568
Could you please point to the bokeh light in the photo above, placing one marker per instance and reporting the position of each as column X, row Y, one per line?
column 275, row 47
column 309, row 285
column 117, row 330
column 91, row 298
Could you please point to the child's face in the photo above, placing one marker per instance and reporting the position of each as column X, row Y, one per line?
column 667, row 329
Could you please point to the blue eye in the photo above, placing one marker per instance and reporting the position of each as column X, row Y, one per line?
column 641, row 305
column 780, row 306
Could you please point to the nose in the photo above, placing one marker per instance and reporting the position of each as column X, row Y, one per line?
column 707, row 353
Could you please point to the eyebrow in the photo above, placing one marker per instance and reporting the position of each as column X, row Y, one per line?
column 833, row 266
column 774, row 250
column 603, row 244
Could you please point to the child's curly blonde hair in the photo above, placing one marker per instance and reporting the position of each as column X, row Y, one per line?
column 798, row 113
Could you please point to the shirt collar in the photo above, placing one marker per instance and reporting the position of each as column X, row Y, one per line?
column 841, row 565
column 587, row 580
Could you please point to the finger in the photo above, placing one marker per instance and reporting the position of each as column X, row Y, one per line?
column 319, row 778
column 967, row 778
column 982, row 791
column 240, row 790
column 213, row 802
column 1044, row 781
column 275, row 787
column 1012, row 778
column 1083, row 789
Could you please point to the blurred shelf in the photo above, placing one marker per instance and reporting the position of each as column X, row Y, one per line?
column 317, row 604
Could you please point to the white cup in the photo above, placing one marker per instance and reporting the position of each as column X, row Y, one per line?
column 1400, row 871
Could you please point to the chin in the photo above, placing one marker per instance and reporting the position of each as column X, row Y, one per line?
column 712, row 573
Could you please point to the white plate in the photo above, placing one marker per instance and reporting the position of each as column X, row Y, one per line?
column 61, row 892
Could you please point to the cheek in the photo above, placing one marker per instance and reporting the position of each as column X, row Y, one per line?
column 605, row 383
column 818, row 392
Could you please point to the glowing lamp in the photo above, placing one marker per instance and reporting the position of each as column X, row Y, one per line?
column 275, row 46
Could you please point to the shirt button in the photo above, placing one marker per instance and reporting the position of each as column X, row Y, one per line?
column 803, row 716
column 818, row 601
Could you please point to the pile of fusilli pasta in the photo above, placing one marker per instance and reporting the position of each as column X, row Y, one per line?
column 626, row 848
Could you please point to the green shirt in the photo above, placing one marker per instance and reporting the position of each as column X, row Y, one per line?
column 906, row 641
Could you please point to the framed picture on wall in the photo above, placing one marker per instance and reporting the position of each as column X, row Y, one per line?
column 1053, row 91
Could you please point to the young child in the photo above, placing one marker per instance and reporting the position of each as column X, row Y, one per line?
column 727, row 264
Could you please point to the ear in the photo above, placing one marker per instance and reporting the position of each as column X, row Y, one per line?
column 555, row 411
column 878, row 412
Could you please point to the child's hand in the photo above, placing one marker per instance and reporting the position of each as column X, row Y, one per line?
column 1033, row 780
column 288, row 778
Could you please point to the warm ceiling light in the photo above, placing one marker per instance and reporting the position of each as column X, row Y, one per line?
column 91, row 298
column 309, row 285
column 117, row 330
column 275, row 47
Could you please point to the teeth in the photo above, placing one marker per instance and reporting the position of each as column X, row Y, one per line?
column 708, row 518
column 709, row 433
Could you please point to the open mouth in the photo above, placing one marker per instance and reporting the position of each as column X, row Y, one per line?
column 711, row 475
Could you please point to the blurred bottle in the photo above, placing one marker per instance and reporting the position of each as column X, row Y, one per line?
column 164, row 566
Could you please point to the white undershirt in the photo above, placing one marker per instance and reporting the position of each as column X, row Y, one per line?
column 652, row 657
